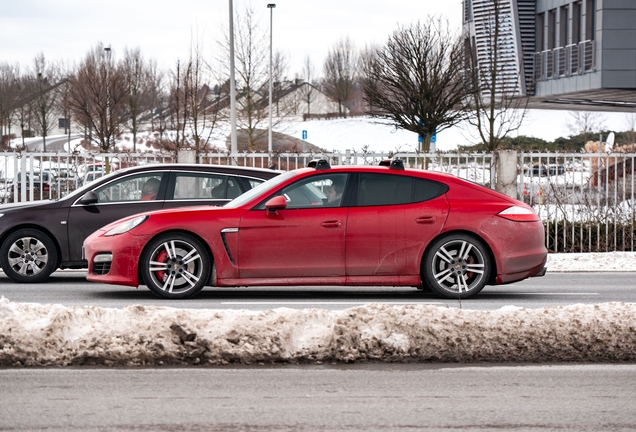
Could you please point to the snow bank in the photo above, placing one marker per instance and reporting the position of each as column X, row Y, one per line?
column 592, row 262
column 54, row 335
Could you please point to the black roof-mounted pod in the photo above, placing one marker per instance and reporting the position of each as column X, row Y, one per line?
column 319, row 164
column 395, row 164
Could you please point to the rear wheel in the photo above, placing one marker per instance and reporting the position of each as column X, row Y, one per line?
column 28, row 256
column 456, row 266
column 175, row 266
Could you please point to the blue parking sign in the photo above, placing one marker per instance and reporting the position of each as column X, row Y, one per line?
column 304, row 134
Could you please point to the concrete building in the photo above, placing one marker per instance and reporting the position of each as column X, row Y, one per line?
column 564, row 54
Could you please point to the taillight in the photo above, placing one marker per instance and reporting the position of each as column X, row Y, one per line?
column 519, row 214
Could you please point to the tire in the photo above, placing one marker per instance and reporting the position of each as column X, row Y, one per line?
column 456, row 266
column 165, row 271
column 28, row 256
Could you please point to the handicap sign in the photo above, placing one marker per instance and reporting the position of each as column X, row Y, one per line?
column 304, row 134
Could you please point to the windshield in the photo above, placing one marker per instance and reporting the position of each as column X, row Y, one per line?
column 261, row 189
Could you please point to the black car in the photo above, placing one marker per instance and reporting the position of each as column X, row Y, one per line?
column 38, row 237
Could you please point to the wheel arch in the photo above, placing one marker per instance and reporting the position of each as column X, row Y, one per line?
column 493, row 274
column 176, row 231
column 15, row 228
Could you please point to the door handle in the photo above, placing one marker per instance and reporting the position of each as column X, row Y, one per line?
column 331, row 224
column 426, row 220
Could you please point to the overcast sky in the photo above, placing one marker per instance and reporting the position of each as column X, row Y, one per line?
column 162, row 29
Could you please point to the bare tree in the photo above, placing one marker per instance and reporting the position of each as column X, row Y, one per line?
column 308, row 92
column 158, row 99
column 137, row 73
column 494, row 84
column 585, row 123
column 280, row 65
column 98, row 97
column 252, row 79
column 202, row 104
column 177, row 109
column 630, row 120
column 24, row 112
column 341, row 72
column 414, row 80
column 9, row 97
column 47, row 78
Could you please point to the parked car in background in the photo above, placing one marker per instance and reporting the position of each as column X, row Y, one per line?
column 346, row 225
column 42, row 182
column 39, row 237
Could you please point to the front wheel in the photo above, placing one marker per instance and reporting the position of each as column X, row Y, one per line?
column 28, row 256
column 456, row 266
column 175, row 266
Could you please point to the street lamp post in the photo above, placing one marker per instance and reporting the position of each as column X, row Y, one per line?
column 233, row 137
column 271, row 7
column 109, row 121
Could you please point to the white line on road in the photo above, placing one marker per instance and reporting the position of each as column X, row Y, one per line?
column 323, row 302
column 540, row 293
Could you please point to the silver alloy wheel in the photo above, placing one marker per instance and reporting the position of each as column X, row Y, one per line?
column 28, row 256
column 175, row 266
column 458, row 266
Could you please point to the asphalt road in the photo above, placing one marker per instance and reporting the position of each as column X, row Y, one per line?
column 334, row 397
column 372, row 397
column 53, row 144
column 70, row 288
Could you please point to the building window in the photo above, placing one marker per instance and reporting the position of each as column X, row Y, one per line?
column 576, row 23
column 565, row 26
column 552, row 29
column 590, row 21
column 540, row 32
column 468, row 13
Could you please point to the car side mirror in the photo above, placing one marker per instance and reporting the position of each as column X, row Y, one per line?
column 277, row 203
column 89, row 198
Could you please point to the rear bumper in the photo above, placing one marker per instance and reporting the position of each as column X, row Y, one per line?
column 541, row 272
column 515, row 277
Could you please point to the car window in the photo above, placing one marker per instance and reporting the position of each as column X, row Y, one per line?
column 253, row 182
column 387, row 189
column 205, row 186
column 317, row 191
column 141, row 187
column 260, row 190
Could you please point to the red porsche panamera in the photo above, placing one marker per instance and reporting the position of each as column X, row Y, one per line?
column 323, row 225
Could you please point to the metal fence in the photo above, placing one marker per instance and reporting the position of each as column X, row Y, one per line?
column 586, row 200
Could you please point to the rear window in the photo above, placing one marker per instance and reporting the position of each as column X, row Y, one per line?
column 387, row 189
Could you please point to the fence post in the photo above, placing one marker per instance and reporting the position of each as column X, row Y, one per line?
column 23, row 176
column 186, row 156
column 507, row 173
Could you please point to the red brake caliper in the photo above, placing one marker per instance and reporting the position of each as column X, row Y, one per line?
column 161, row 275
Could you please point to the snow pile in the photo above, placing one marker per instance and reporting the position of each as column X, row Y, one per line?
column 54, row 335
column 592, row 262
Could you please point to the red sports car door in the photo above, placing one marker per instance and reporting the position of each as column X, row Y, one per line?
column 292, row 243
column 386, row 231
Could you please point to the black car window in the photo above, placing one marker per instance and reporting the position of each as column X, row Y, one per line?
column 140, row 187
column 387, row 189
column 190, row 186
column 316, row 191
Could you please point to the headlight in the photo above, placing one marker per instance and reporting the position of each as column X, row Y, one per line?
column 127, row 226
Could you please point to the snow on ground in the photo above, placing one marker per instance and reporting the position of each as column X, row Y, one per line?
column 592, row 262
column 55, row 335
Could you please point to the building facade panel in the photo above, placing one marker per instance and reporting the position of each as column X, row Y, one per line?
column 582, row 51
